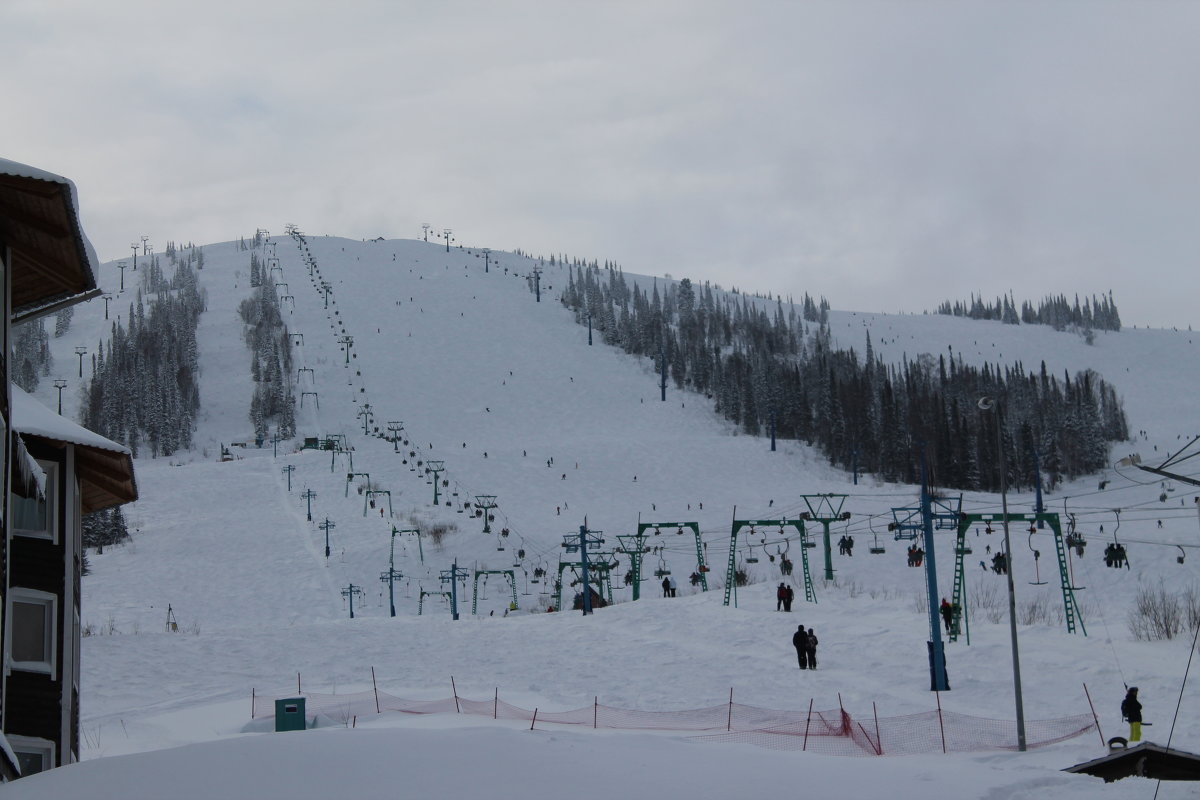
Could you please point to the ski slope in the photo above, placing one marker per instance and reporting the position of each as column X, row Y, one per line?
column 472, row 365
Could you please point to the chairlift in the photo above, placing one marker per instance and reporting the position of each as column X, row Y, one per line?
column 876, row 549
column 662, row 570
column 1037, row 557
column 750, row 557
column 1179, row 558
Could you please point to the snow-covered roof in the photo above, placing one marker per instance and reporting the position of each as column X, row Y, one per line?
column 54, row 264
column 30, row 416
column 104, row 466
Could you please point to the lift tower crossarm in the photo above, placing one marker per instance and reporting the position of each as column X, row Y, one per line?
column 825, row 509
column 810, row 594
column 701, row 567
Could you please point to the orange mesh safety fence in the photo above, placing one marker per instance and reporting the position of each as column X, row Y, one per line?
column 829, row 732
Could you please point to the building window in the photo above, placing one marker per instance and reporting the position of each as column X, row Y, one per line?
column 33, row 755
column 32, row 640
column 34, row 515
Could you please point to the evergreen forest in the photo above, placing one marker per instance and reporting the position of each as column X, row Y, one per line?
column 144, row 389
column 772, row 368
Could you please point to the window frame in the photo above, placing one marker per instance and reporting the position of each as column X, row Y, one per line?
column 50, row 533
column 49, row 602
column 33, row 745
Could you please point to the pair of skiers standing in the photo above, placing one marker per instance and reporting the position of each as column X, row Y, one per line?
column 805, row 643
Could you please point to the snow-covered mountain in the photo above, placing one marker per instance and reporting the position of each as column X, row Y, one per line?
column 509, row 396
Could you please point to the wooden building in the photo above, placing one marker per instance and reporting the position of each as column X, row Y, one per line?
column 55, row 472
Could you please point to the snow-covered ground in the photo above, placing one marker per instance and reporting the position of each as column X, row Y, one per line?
column 495, row 385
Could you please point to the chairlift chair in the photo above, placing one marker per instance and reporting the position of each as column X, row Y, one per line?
column 876, row 549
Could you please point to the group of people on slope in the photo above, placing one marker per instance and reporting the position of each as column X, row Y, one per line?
column 805, row 643
column 669, row 586
column 783, row 597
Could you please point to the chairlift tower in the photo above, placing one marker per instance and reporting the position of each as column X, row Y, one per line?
column 810, row 594
column 327, row 526
column 350, row 476
column 369, row 499
column 308, row 495
column 512, row 582
column 1071, row 612
column 136, row 246
column 352, row 591
column 451, row 577
column 394, row 427
column 487, row 258
column 825, row 509
column 326, row 287
column 391, row 576
column 416, row 532
column 60, row 384
column 81, row 351
column 435, row 468
column 486, row 502
column 537, row 283
column 446, row 235
column 425, row 226
column 581, row 543
column 348, row 341
column 288, row 470
column 634, row 546
column 701, row 567
column 365, row 413
column 121, row 265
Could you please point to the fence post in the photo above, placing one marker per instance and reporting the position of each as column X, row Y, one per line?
column 729, row 719
column 376, row 688
column 807, row 723
column 878, row 738
column 496, row 704
column 595, row 710
column 941, row 724
column 1097, row 719
column 534, row 719
column 454, row 689
column 251, row 702
column 298, row 684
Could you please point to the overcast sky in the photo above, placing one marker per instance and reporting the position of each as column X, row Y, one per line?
column 887, row 155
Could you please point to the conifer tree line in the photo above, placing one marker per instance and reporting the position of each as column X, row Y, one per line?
column 274, row 396
column 62, row 321
column 31, row 359
column 145, row 388
column 759, row 364
column 1095, row 313
column 104, row 527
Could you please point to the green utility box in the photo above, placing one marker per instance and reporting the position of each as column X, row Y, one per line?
column 289, row 714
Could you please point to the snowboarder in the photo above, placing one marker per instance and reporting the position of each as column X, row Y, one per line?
column 787, row 601
column 674, row 585
column 800, row 642
column 812, row 649
column 947, row 613
column 780, row 596
column 666, row 584
column 1131, row 710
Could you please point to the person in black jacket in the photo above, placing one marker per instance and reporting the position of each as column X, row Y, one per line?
column 1131, row 710
column 812, row 649
column 800, row 642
